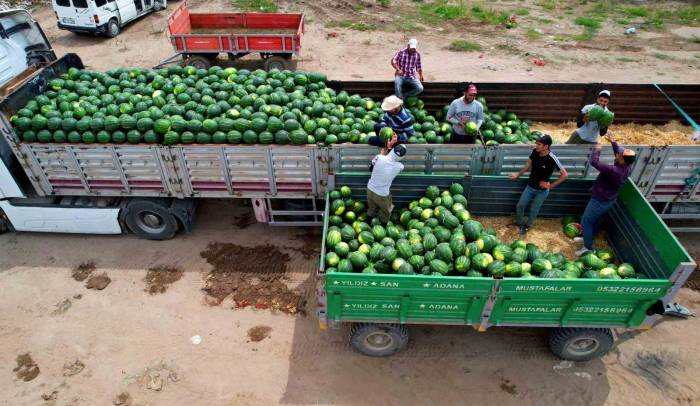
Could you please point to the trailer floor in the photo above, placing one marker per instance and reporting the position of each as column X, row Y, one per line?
column 130, row 344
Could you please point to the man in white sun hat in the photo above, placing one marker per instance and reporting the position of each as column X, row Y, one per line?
column 396, row 118
column 406, row 64
column 589, row 131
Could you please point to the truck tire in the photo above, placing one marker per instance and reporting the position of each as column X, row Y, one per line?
column 580, row 344
column 199, row 62
column 275, row 62
column 113, row 28
column 151, row 220
column 379, row 340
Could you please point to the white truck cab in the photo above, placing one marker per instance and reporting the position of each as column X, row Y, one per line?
column 101, row 16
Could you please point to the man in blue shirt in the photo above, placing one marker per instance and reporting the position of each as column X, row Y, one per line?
column 396, row 118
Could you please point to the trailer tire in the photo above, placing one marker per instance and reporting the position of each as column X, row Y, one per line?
column 199, row 62
column 112, row 28
column 580, row 344
column 379, row 340
column 275, row 62
column 151, row 220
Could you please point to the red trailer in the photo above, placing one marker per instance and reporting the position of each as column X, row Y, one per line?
column 199, row 38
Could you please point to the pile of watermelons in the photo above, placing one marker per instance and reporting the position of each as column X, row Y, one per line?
column 221, row 106
column 437, row 236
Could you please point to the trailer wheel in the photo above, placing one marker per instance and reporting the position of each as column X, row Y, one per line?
column 580, row 344
column 151, row 220
column 112, row 28
column 275, row 62
column 379, row 340
column 199, row 62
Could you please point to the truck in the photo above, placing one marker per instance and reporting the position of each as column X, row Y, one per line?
column 584, row 315
column 152, row 190
column 103, row 17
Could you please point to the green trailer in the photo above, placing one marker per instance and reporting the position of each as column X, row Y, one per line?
column 583, row 314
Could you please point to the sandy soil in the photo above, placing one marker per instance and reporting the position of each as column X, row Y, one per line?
column 506, row 55
column 98, row 347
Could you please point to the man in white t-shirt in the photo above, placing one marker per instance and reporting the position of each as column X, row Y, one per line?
column 589, row 131
column 385, row 167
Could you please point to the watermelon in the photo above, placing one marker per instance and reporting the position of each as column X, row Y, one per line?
column 605, row 254
column 502, row 252
column 572, row 230
column 470, row 128
column 540, row 265
column 462, row 264
column 472, row 230
column 456, row 189
column 481, row 261
column 332, row 238
column 439, row 266
column 344, row 265
column 358, row 259
column 608, row 273
column 332, row 259
column 626, row 270
column 513, row 269
column 444, row 252
column 496, row 268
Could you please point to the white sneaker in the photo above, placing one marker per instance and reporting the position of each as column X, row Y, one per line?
column 578, row 239
column 582, row 251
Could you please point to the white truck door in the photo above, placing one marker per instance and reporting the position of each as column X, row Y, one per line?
column 62, row 219
column 65, row 12
column 83, row 12
column 127, row 10
column 8, row 187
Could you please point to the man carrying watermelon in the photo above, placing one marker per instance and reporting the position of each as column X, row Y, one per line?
column 590, row 122
column 406, row 63
column 541, row 165
column 385, row 167
column 604, row 191
column 466, row 114
column 396, row 120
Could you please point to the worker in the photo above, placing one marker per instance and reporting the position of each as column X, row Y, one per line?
column 604, row 192
column 406, row 64
column 462, row 111
column 396, row 118
column 589, row 131
column 541, row 165
column 385, row 167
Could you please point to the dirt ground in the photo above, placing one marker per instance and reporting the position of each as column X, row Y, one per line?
column 122, row 345
column 668, row 56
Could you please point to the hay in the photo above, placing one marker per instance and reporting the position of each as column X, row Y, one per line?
column 671, row 133
column 547, row 234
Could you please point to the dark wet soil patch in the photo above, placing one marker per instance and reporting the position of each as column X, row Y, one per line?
column 26, row 368
column 259, row 333
column 98, row 282
column 252, row 276
column 160, row 277
column 83, row 271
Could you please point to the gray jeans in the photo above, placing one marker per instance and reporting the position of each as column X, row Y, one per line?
column 576, row 139
column 415, row 87
column 379, row 206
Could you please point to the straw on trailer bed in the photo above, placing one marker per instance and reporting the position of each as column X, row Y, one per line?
column 672, row 133
column 546, row 234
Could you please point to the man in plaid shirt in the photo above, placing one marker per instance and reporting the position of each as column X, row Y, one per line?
column 407, row 62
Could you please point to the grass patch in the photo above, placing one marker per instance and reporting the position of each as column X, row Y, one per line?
column 462, row 45
column 661, row 56
column 384, row 3
column 548, row 5
column 440, row 11
column 406, row 24
column 488, row 15
column 623, row 21
column 626, row 60
column 589, row 22
column 697, row 56
column 263, row 6
column 695, row 39
column 545, row 20
column 586, row 35
column 689, row 14
column 635, row 11
column 521, row 11
column 560, row 37
column 533, row 34
column 509, row 48
column 352, row 25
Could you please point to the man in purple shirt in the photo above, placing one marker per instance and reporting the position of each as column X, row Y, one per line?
column 604, row 191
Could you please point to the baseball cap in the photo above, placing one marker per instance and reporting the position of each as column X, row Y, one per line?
column 412, row 43
column 545, row 139
column 391, row 102
column 605, row 93
column 399, row 150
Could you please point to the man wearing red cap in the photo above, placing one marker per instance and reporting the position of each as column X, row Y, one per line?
column 604, row 191
column 462, row 111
